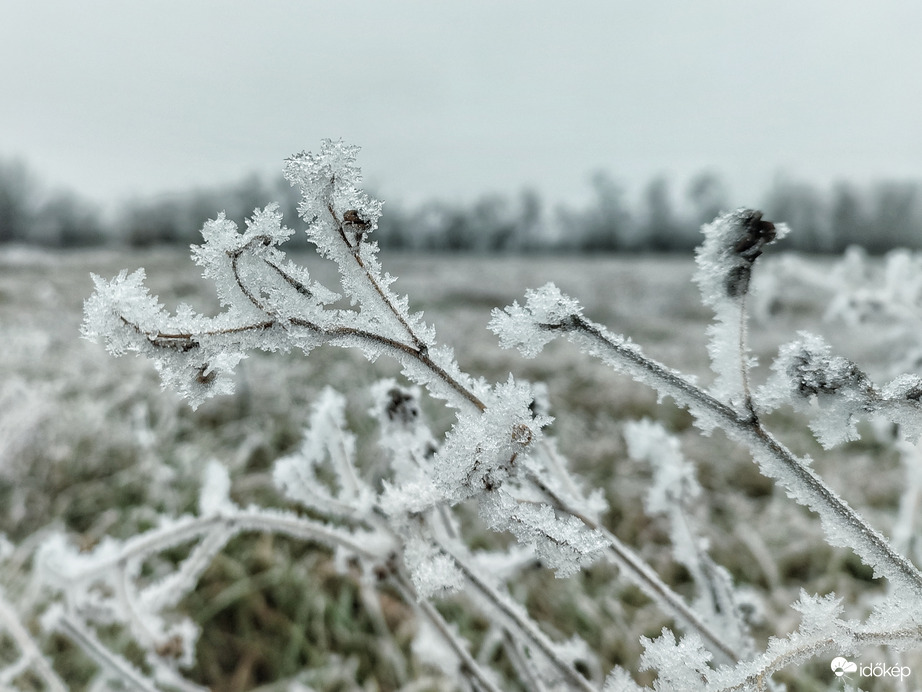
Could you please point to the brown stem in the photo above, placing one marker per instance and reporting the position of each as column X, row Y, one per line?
column 372, row 280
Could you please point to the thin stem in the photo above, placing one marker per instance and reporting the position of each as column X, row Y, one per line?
column 521, row 622
column 170, row 590
column 355, row 251
column 289, row 279
column 163, row 538
column 418, row 351
column 468, row 663
column 638, row 571
column 845, row 640
column 103, row 656
column 806, row 487
column 235, row 260
column 31, row 653
column 526, row 672
column 186, row 341
column 398, row 348
column 744, row 362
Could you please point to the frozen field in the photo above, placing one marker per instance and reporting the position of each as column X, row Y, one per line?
column 92, row 444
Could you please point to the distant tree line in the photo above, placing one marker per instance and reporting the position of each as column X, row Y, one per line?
column 879, row 217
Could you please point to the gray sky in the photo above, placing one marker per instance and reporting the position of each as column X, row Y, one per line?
column 453, row 99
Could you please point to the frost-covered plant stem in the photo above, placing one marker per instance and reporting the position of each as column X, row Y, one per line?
column 404, row 353
column 31, row 655
column 522, row 624
column 469, row 664
column 642, row 575
column 108, row 660
column 843, row 525
column 251, row 519
column 844, row 640
column 748, row 403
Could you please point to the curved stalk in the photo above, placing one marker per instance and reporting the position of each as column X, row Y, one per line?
column 775, row 460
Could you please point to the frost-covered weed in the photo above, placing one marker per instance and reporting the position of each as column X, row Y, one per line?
column 405, row 529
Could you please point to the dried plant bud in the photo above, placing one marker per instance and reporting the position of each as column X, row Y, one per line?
column 204, row 376
column 825, row 375
column 352, row 218
column 401, row 406
column 732, row 243
column 914, row 393
column 171, row 648
column 754, row 234
column 522, row 434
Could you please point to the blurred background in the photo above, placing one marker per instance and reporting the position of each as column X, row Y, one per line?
column 485, row 126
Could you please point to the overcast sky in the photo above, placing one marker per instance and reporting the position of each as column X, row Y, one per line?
column 454, row 99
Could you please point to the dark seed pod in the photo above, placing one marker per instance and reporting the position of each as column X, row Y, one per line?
column 352, row 218
column 171, row 648
column 737, row 281
column 914, row 393
column 202, row 378
column 754, row 234
column 401, row 406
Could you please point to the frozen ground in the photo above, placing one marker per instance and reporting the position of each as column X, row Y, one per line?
column 91, row 443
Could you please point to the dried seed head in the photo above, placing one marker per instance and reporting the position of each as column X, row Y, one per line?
column 522, row 435
column 171, row 648
column 357, row 223
column 753, row 233
column 819, row 374
column 401, row 406
column 203, row 376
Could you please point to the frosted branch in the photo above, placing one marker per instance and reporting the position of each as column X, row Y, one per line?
column 806, row 372
column 468, row 664
column 520, row 622
column 30, row 654
column 111, row 662
column 634, row 568
column 842, row 524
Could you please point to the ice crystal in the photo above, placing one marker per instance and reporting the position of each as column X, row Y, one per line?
column 432, row 571
column 531, row 327
column 678, row 666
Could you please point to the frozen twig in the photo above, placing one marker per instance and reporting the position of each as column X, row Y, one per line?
column 469, row 665
column 114, row 664
column 520, row 622
column 843, row 525
column 31, row 655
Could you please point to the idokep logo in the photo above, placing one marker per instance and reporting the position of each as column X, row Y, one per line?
column 840, row 666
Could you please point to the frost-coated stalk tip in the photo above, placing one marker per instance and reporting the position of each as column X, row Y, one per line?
column 732, row 244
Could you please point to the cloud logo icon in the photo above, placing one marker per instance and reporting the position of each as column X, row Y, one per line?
column 841, row 666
